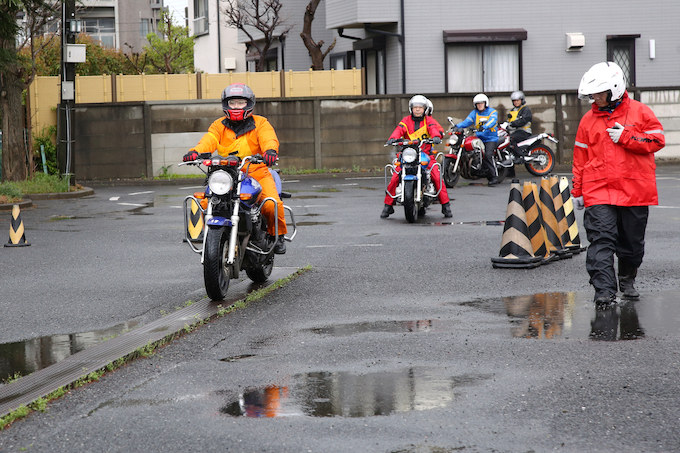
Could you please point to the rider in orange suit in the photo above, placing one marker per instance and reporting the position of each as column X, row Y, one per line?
column 241, row 133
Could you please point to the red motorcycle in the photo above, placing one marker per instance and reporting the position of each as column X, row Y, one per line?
column 465, row 156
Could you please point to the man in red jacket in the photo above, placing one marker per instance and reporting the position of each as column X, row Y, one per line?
column 418, row 125
column 614, row 179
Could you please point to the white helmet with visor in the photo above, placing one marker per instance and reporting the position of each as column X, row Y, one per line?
column 601, row 77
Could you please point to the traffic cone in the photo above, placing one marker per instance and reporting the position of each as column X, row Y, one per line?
column 516, row 249
column 194, row 222
column 539, row 240
column 570, row 238
column 17, row 237
column 550, row 223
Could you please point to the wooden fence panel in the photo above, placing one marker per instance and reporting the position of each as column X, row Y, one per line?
column 264, row 84
column 45, row 94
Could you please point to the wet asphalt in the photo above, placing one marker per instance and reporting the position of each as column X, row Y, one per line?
column 401, row 337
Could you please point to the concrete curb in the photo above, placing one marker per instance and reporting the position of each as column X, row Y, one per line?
column 28, row 202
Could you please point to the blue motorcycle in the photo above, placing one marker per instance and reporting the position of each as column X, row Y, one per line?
column 235, row 234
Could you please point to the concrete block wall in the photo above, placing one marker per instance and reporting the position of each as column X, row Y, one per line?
column 144, row 139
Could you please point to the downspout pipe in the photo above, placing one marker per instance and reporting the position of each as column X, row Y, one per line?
column 401, row 38
column 219, row 41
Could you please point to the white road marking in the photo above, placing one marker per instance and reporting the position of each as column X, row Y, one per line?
column 114, row 198
column 141, row 193
column 132, row 204
column 328, row 246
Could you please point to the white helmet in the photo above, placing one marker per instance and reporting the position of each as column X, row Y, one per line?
column 481, row 97
column 430, row 108
column 605, row 76
column 517, row 96
column 418, row 99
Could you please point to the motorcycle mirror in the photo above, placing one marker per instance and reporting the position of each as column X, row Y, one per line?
column 509, row 116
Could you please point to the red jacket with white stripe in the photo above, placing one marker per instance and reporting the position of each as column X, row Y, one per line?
column 623, row 173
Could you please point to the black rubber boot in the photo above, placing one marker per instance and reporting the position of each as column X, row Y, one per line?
column 604, row 301
column 446, row 210
column 387, row 210
column 627, row 276
column 280, row 247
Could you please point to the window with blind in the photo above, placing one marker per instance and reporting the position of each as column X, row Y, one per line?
column 483, row 60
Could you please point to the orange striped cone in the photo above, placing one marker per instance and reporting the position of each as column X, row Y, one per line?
column 516, row 249
column 17, row 236
column 570, row 238
column 539, row 240
column 550, row 222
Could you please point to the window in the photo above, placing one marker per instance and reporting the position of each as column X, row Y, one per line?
column 343, row 60
column 200, row 21
column 102, row 29
column 621, row 50
column 483, row 60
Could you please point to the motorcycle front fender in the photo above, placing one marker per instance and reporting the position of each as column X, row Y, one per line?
column 216, row 221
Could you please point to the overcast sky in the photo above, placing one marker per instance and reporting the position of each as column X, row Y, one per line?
column 176, row 7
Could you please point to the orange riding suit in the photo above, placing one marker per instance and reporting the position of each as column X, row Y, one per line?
column 254, row 135
column 426, row 128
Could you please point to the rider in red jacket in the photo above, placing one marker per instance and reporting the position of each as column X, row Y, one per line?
column 418, row 125
column 614, row 178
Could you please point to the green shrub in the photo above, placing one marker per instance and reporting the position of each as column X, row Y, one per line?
column 46, row 140
column 42, row 183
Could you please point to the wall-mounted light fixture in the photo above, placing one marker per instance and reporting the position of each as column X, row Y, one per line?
column 652, row 49
column 575, row 42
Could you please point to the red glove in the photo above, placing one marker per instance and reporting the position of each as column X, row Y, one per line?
column 190, row 156
column 270, row 157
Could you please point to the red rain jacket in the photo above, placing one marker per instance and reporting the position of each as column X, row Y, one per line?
column 623, row 173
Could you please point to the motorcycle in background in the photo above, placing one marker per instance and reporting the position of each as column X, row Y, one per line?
column 538, row 159
column 465, row 157
column 416, row 190
column 235, row 234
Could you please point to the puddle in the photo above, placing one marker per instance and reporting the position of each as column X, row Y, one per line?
column 26, row 357
column 344, row 394
column 308, row 197
column 342, row 330
column 55, row 218
column 477, row 223
column 573, row 316
column 313, row 223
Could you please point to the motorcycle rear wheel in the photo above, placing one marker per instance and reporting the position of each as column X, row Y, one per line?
column 450, row 177
column 410, row 208
column 536, row 168
column 216, row 272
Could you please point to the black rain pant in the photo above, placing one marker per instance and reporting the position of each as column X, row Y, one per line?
column 613, row 230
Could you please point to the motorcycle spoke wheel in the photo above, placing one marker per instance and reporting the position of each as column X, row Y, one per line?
column 450, row 177
column 546, row 163
column 216, row 273
column 410, row 208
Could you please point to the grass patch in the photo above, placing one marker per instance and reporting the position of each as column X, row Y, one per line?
column 149, row 349
column 10, row 192
column 13, row 191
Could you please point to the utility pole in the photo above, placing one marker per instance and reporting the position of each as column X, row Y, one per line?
column 69, row 30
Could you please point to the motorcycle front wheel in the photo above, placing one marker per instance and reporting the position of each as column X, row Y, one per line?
column 545, row 162
column 410, row 208
column 216, row 272
column 450, row 177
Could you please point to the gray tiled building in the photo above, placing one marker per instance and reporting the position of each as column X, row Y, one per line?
column 443, row 46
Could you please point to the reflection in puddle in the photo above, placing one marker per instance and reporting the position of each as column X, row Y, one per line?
column 343, row 394
column 561, row 315
column 26, row 357
column 379, row 326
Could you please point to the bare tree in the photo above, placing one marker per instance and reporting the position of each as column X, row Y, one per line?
column 260, row 20
column 313, row 47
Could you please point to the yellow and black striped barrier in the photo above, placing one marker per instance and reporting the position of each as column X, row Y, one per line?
column 17, row 236
column 570, row 238
column 550, row 221
column 516, row 248
column 539, row 240
column 195, row 222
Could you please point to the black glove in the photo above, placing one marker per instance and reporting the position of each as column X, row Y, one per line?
column 270, row 157
column 437, row 140
column 480, row 128
column 457, row 129
column 190, row 156
column 391, row 141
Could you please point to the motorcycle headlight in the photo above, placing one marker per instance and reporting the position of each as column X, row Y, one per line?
column 409, row 155
column 220, row 182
